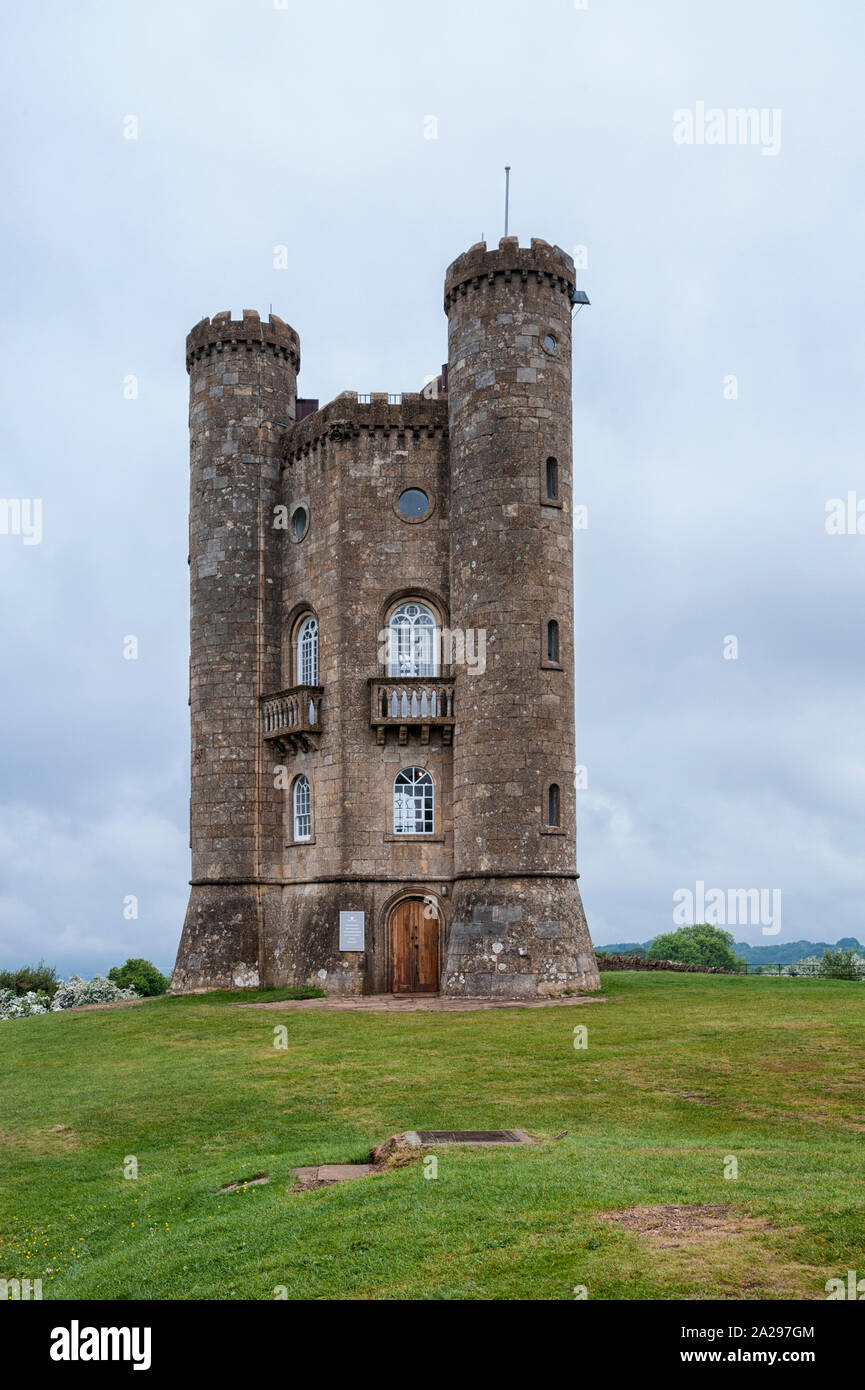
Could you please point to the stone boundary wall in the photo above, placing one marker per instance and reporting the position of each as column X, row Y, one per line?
column 641, row 963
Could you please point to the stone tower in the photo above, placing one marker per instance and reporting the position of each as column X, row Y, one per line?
column 242, row 390
column 382, row 674
column 518, row 919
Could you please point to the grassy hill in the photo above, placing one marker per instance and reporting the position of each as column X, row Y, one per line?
column 681, row 1072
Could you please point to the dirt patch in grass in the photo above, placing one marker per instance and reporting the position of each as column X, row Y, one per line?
column 807, row 1024
column 58, row 1139
column 714, row 1246
column 669, row 1228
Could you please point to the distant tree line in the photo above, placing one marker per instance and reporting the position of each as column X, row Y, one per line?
column 708, row 947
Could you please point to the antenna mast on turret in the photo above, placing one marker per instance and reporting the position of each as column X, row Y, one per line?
column 507, row 194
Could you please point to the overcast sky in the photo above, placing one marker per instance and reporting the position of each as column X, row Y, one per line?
column 306, row 126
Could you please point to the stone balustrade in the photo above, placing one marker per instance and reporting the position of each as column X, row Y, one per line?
column 419, row 702
column 292, row 718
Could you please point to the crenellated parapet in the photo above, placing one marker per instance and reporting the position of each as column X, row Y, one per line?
column 347, row 415
column 222, row 333
column 540, row 260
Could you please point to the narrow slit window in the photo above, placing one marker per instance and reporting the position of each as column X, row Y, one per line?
column 552, row 640
column 552, row 480
column 553, row 805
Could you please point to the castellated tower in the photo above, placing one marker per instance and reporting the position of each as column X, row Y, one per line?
column 382, row 673
column 242, row 389
column 518, row 923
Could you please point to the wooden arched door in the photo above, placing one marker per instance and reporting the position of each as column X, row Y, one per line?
column 414, row 948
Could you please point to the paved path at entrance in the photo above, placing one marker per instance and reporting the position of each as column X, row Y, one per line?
column 414, row 1003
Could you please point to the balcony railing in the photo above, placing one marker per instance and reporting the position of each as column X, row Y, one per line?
column 292, row 718
column 419, row 702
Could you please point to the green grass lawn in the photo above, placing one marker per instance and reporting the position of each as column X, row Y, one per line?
column 681, row 1071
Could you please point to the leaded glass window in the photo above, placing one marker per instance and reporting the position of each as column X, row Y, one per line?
column 302, row 809
column 307, row 652
column 413, row 802
column 412, row 641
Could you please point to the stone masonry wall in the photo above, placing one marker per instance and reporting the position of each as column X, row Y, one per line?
column 347, row 464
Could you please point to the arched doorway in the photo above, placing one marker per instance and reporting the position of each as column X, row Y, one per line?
column 414, row 947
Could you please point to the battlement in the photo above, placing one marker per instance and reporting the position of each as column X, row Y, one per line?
column 540, row 259
column 222, row 333
column 345, row 416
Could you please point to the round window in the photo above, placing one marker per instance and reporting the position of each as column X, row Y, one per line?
column 413, row 503
column 299, row 523
column 550, row 342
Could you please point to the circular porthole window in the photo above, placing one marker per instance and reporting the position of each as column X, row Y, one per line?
column 413, row 504
column 550, row 342
column 299, row 523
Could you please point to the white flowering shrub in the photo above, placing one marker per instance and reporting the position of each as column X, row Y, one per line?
column 14, row 1005
column 73, row 992
column 809, row 967
column 815, row 966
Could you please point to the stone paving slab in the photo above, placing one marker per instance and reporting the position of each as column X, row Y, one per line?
column 343, row 1172
column 456, row 1136
column 408, row 1003
column 323, row 1174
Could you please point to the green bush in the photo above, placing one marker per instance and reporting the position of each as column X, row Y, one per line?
column 839, row 965
column 37, row 978
column 700, row 944
column 141, row 976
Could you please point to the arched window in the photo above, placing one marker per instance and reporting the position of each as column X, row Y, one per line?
column 413, row 802
column 553, row 805
column 302, row 808
column 552, row 480
column 307, row 652
column 412, row 641
column 552, row 640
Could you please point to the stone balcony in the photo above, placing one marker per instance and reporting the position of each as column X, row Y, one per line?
column 419, row 702
column 292, row 718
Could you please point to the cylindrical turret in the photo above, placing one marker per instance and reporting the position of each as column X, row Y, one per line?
column 518, row 921
column 243, row 378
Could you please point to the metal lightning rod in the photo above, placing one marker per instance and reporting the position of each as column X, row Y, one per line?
column 507, row 194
